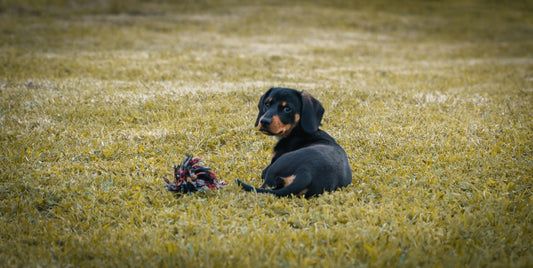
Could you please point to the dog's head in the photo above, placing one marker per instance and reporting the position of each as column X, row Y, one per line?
column 281, row 110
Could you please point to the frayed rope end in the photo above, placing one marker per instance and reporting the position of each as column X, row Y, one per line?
column 190, row 177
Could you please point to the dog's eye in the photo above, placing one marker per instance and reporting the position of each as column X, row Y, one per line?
column 287, row 109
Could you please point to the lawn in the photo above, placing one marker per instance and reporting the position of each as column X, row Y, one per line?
column 432, row 101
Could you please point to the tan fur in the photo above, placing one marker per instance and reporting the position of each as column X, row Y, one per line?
column 278, row 129
column 288, row 180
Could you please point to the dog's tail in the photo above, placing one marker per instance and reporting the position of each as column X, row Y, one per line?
column 287, row 191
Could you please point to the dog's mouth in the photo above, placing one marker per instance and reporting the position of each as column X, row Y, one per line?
column 266, row 131
column 269, row 133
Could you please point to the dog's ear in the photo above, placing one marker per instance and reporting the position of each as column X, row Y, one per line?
column 312, row 112
column 261, row 105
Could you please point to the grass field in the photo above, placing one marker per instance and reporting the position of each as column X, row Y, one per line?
column 432, row 101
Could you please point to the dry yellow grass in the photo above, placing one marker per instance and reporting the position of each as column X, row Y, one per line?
column 99, row 99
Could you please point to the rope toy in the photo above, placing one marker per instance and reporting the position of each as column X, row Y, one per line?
column 191, row 177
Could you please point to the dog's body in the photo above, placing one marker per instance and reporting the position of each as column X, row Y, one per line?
column 306, row 160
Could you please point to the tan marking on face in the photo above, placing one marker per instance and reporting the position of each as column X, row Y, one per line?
column 270, row 100
column 284, row 104
column 281, row 130
column 288, row 180
column 278, row 128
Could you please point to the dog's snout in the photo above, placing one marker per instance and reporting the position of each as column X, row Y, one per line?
column 266, row 121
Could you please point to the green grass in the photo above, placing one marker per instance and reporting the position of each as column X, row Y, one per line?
column 431, row 100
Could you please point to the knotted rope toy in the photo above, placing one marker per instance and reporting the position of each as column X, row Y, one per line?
column 191, row 177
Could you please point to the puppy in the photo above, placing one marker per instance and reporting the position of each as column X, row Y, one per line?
column 306, row 160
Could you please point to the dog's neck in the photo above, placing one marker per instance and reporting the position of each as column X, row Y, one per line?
column 298, row 139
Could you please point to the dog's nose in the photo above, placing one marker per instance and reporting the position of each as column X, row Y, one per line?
column 266, row 121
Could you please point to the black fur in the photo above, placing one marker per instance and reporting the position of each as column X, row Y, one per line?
column 306, row 160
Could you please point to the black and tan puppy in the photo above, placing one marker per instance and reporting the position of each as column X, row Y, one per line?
column 306, row 160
